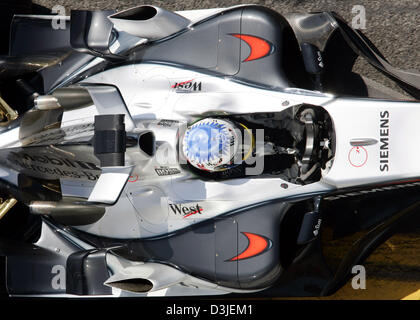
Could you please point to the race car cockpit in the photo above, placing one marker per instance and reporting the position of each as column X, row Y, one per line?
column 295, row 143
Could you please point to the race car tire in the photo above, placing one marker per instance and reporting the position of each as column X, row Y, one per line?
column 8, row 8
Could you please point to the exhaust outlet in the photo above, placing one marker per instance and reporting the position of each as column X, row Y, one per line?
column 150, row 22
column 46, row 102
column 68, row 212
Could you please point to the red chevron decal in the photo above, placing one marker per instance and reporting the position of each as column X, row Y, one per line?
column 260, row 48
column 256, row 245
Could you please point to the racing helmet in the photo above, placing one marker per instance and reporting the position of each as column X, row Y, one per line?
column 212, row 144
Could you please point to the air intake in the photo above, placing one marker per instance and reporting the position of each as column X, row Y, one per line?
column 150, row 22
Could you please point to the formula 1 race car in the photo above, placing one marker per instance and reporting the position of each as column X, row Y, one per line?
column 205, row 152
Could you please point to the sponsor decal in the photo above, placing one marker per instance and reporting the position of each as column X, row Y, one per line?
column 186, row 210
column 317, row 227
column 320, row 63
column 259, row 47
column 384, row 141
column 133, row 178
column 56, row 161
column 189, row 85
column 257, row 245
column 166, row 171
column 55, row 136
column 358, row 156
column 166, row 123
column 45, row 165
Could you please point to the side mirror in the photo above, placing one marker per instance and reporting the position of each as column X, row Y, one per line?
column 92, row 32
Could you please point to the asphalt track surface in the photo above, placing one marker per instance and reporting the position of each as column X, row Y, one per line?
column 393, row 270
